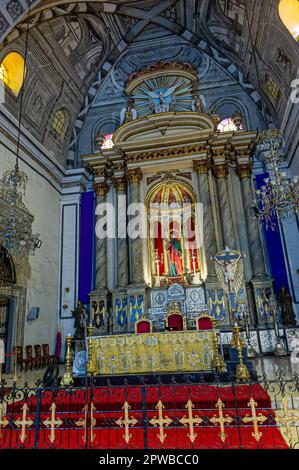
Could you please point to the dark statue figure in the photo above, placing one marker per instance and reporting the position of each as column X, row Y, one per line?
column 80, row 321
column 286, row 305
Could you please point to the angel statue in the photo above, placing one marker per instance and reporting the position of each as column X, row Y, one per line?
column 229, row 270
column 128, row 114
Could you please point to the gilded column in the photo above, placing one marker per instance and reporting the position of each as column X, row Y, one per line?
column 221, row 173
column 122, row 246
column 244, row 172
column 101, row 190
column 136, row 245
column 202, row 169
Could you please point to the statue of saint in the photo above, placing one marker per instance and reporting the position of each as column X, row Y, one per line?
column 174, row 250
column 80, row 320
column 286, row 305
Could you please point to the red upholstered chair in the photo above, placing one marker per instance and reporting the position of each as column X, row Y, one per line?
column 204, row 322
column 175, row 322
column 143, row 326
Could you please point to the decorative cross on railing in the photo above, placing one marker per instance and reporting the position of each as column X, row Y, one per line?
column 191, row 421
column 3, row 421
column 221, row 420
column 23, row 423
column 256, row 420
column 161, row 421
column 52, row 423
column 126, row 422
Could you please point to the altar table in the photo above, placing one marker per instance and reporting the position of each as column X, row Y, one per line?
column 182, row 351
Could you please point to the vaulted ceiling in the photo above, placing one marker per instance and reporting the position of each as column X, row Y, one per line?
column 72, row 45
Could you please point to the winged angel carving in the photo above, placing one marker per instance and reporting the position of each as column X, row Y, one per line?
column 229, row 269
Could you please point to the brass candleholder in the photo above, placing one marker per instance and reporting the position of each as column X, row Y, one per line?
column 242, row 372
column 91, row 365
column 67, row 378
column 218, row 361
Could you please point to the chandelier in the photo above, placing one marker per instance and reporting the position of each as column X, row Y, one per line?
column 15, row 226
column 278, row 198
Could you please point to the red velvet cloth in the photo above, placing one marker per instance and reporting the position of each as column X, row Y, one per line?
column 108, row 408
column 204, row 323
column 175, row 321
column 143, row 327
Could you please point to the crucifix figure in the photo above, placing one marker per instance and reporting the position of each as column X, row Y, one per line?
column 3, row 421
column 51, row 423
column 127, row 422
column 23, row 423
column 221, row 420
column 256, row 420
column 191, row 421
column 161, row 421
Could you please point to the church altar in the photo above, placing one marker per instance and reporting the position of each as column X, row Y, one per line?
column 182, row 351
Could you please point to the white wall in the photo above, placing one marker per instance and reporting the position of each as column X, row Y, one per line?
column 43, row 201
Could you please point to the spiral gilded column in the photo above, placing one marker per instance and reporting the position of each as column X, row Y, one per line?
column 122, row 245
column 101, row 190
column 221, row 173
column 202, row 170
column 244, row 172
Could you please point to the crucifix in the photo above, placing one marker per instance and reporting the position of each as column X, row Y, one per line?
column 256, row 420
column 191, row 421
column 161, row 421
column 23, row 423
column 52, row 423
column 3, row 421
column 127, row 422
column 221, row 420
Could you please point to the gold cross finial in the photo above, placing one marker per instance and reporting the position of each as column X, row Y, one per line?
column 23, row 423
column 286, row 419
column 161, row 421
column 3, row 421
column 52, row 423
column 82, row 422
column 256, row 420
column 191, row 421
column 221, row 420
column 126, row 422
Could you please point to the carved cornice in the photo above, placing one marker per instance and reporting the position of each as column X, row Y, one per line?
column 134, row 175
column 221, row 171
column 101, row 189
column 244, row 170
column 168, row 153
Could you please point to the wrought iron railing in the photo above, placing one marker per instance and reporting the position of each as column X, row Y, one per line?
column 193, row 413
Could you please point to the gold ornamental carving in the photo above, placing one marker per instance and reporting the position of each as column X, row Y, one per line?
column 3, row 421
column 52, row 423
column 221, row 420
column 23, row 423
column 202, row 166
column 254, row 419
column 161, row 421
column 244, row 170
column 191, row 421
column 120, row 184
column 134, row 175
column 101, row 189
column 168, row 153
column 221, row 171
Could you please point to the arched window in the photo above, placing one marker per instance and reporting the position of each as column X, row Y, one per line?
column 12, row 72
column 227, row 125
column 289, row 14
column 58, row 125
column 108, row 143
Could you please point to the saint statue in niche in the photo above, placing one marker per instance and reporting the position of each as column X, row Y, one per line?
column 174, row 251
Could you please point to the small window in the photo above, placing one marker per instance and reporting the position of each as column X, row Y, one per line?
column 289, row 14
column 227, row 125
column 12, row 72
column 58, row 125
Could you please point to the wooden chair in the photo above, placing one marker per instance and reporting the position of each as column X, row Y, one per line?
column 30, row 360
column 18, row 352
column 38, row 356
column 46, row 357
column 144, row 325
column 204, row 322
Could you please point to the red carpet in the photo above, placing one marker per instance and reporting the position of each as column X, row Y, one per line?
column 108, row 403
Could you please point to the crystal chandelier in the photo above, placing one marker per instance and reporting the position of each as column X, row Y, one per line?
column 278, row 198
column 15, row 220
column 15, row 226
